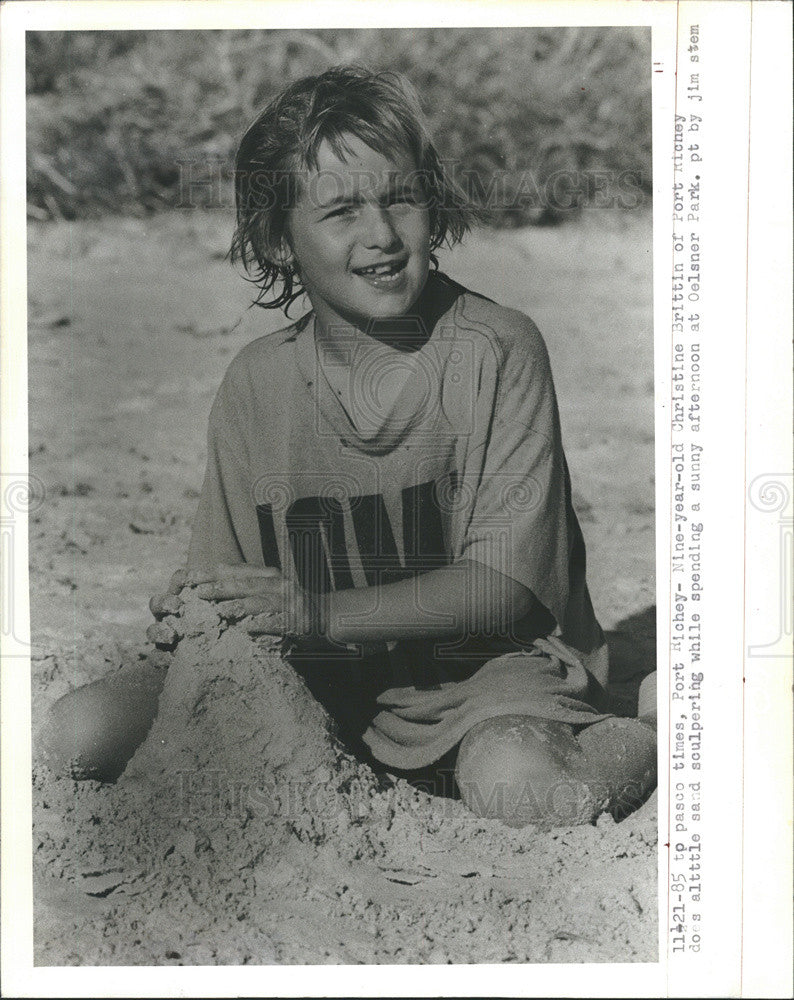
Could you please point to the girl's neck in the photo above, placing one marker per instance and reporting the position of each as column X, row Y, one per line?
column 406, row 334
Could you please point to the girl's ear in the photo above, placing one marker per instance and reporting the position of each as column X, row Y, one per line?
column 283, row 255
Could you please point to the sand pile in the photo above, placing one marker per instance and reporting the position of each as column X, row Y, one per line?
column 242, row 832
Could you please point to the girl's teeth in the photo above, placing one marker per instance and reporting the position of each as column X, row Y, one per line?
column 384, row 277
column 382, row 270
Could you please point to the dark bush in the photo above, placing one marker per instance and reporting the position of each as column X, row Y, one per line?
column 538, row 121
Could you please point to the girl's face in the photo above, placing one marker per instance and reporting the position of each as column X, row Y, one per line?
column 360, row 236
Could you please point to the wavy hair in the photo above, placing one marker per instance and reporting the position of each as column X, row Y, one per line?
column 383, row 111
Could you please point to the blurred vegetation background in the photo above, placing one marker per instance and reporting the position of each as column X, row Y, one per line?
column 113, row 117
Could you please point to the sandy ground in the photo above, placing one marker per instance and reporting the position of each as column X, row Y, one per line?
column 131, row 327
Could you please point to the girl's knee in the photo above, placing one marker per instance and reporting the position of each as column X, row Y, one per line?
column 93, row 731
column 523, row 770
column 619, row 757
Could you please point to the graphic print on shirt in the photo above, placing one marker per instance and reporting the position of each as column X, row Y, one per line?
column 320, row 549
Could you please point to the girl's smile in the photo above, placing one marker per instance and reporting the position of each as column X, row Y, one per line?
column 386, row 275
column 360, row 235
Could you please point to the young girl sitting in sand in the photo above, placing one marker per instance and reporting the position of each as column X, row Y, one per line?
column 386, row 485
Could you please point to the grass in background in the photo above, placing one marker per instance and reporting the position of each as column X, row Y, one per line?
column 552, row 119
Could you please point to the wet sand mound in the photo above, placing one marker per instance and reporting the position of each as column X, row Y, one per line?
column 242, row 832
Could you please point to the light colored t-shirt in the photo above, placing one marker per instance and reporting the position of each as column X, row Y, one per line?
column 370, row 464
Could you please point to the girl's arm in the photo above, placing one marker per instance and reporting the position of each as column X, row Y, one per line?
column 452, row 601
column 464, row 598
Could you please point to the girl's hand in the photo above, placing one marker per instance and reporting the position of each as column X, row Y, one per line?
column 169, row 603
column 166, row 632
column 260, row 598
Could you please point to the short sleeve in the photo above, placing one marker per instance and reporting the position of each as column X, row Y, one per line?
column 225, row 528
column 516, row 471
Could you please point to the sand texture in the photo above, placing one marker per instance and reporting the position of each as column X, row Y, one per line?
column 241, row 831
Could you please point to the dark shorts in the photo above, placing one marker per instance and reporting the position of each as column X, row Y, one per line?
column 411, row 727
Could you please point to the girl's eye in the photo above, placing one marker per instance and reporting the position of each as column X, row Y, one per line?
column 340, row 212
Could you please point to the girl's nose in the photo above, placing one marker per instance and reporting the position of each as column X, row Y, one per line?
column 378, row 229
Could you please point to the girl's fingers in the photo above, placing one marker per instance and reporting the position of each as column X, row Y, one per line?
column 195, row 577
column 234, row 611
column 271, row 623
column 224, row 573
column 178, row 581
column 227, row 590
column 165, row 604
column 246, row 569
column 165, row 634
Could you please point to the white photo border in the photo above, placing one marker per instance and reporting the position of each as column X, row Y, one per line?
column 746, row 303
